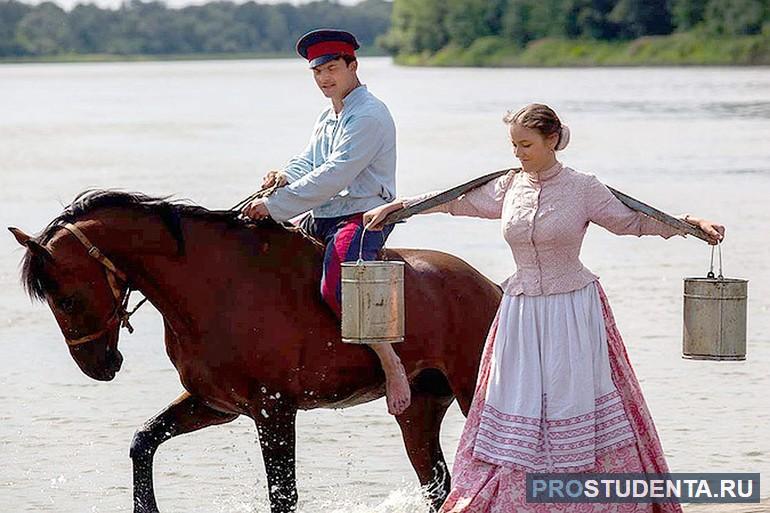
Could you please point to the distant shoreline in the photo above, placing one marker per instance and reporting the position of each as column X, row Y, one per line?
column 108, row 58
column 684, row 49
column 85, row 58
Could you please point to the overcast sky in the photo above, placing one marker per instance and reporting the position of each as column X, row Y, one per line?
column 68, row 4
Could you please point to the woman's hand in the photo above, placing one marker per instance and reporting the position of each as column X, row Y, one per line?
column 715, row 231
column 374, row 217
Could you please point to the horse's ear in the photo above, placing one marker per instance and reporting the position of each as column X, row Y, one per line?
column 31, row 244
column 38, row 249
column 21, row 237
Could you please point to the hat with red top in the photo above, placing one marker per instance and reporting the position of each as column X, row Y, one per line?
column 324, row 45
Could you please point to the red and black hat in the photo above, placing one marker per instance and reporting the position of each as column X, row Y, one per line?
column 323, row 45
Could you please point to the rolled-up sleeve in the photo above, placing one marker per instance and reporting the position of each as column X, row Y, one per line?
column 604, row 209
column 357, row 145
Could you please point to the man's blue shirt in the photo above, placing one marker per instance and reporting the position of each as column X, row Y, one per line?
column 349, row 165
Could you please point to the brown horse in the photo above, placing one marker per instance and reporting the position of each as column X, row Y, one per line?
column 246, row 328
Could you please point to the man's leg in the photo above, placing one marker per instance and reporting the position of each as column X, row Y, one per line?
column 344, row 245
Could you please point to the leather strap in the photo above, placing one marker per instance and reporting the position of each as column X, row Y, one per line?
column 94, row 251
column 119, row 314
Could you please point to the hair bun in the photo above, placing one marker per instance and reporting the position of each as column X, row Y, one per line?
column 563, row 138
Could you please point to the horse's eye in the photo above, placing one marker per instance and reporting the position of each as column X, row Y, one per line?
column 67, row 305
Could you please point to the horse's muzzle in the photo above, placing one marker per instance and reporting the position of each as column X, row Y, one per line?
column 107, row 370
column 115, row 361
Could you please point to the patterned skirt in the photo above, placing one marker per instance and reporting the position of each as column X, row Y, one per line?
column 509, row 432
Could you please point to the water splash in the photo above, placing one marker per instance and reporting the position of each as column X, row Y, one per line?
column 404, row 499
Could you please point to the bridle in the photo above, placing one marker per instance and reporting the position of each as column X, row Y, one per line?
column 120, row 314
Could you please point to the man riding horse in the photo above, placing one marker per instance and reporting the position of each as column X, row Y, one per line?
column 252, row 337
column 347, row 168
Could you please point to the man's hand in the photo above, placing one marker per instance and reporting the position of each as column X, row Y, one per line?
column 256, row 209
column 274, row 178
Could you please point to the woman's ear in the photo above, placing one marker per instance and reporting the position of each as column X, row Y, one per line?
column 552, row 141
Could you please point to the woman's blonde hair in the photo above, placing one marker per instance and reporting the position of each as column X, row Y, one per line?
column 542, row 118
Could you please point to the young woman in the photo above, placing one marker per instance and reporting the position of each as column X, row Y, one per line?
column 555, row 390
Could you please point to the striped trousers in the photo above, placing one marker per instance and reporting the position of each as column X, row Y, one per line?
column 342, row 237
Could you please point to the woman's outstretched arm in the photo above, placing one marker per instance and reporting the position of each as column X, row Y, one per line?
column 485, row 201
column 604, row 209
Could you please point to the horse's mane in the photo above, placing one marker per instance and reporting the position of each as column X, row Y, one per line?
column 170, row 212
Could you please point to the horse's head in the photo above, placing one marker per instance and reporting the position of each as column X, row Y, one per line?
column 60, row 270
column 86, row 292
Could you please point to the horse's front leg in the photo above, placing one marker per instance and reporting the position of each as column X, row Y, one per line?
column 277, row 438
column 186, row 414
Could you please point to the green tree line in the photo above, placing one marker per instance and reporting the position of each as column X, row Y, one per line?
column 420, row 26
column 151, row 28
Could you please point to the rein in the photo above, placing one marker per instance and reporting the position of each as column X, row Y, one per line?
column 120, row 314
column 267, row 191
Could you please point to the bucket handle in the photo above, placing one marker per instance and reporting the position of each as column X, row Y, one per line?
column 711, row 265
column 361, row 246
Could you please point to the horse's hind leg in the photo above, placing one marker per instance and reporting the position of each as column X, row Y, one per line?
column 420, row 427
column 186, row 414
column 464, row 394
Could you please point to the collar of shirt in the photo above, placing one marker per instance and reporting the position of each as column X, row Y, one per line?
column 545, row 175
column 353, row 98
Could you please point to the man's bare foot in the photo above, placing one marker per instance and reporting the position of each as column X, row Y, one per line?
column 397, row 390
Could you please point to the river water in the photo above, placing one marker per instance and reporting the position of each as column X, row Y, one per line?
column 684, row 139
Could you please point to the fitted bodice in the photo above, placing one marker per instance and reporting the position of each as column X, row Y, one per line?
column 544, row 219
